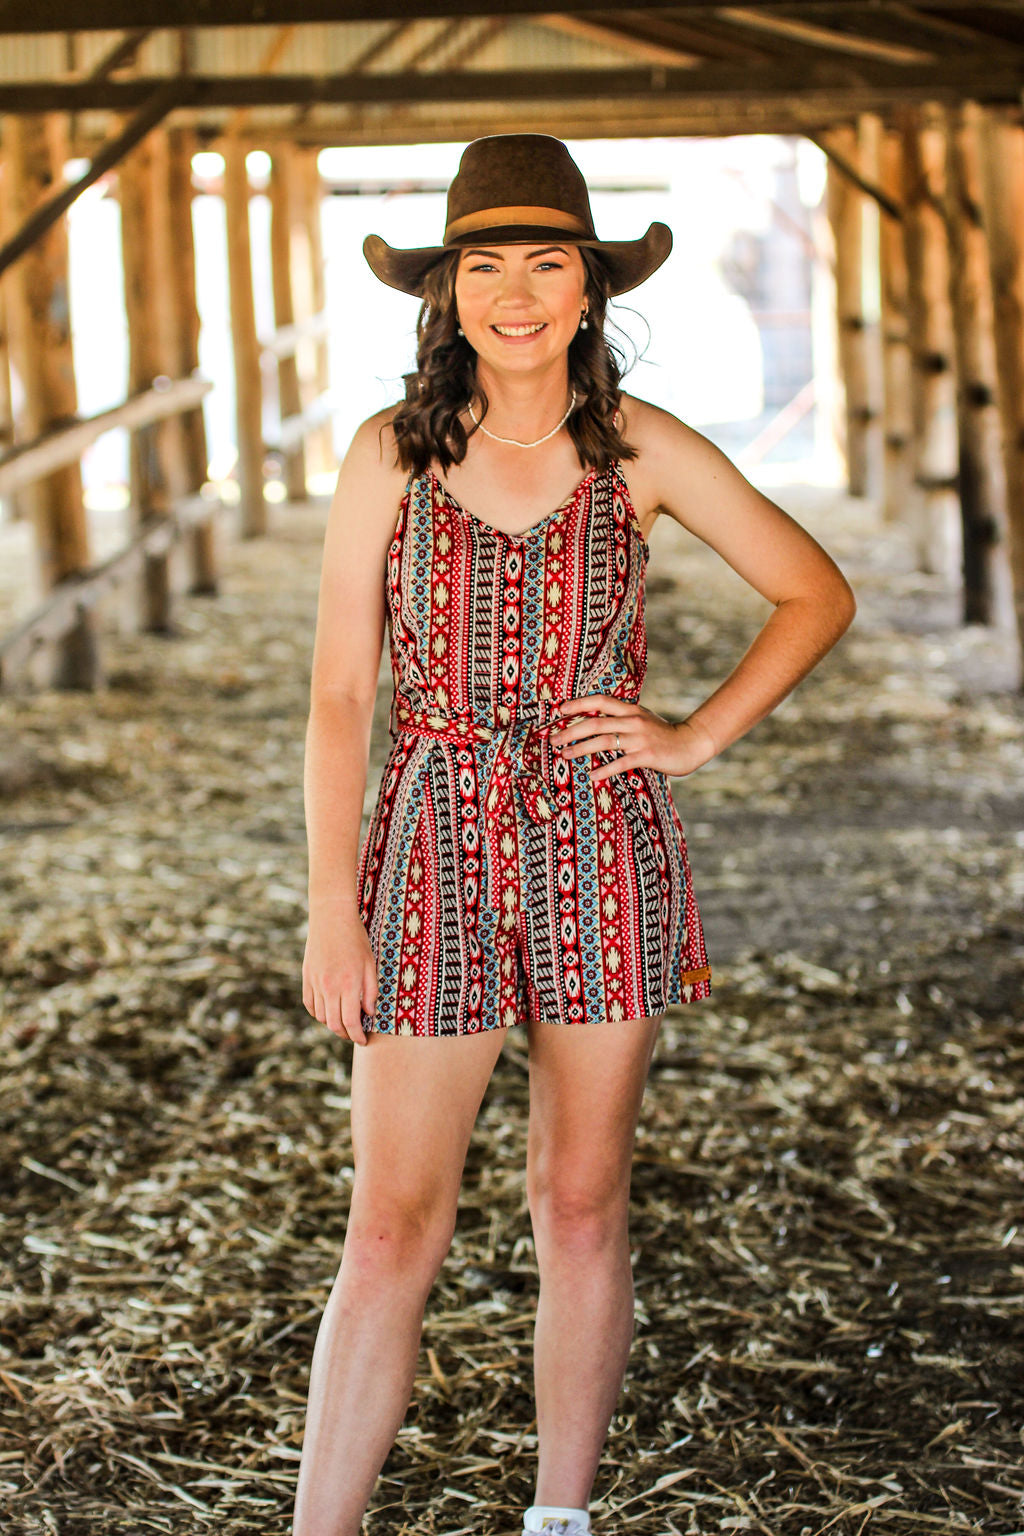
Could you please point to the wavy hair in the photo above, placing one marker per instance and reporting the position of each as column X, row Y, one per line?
column 428, row 426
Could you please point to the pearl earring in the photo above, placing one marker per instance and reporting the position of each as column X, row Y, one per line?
column 584, row 323
column 459, row 330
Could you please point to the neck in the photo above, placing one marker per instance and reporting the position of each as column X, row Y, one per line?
column 524, row 405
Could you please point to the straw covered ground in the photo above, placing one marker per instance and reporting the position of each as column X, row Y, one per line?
column 828, row 1173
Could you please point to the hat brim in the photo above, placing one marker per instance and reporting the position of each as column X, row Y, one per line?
column 630, row 262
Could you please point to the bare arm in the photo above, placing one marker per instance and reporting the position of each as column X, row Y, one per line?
column 346, row 661
column 681, row 472
column 696, row 483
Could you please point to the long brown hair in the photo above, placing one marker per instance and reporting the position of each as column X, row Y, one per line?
column 427, row 425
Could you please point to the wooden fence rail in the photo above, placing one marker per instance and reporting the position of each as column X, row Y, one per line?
column 58, row 644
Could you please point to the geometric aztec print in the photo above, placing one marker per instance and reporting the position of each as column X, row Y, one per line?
column 497, row 883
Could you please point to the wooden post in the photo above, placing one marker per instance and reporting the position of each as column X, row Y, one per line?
column 935, row 507
column 869, row 148
column 40, row 342
column 6, row 400
column 144, row 259
column 202, row 534
column 988, row 589
column 245, row 343
column 281, row 180
column 311, row 298
column 896, row 360
column 1003, row 162
column 863, row 414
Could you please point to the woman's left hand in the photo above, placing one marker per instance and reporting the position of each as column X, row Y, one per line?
column 645, row 740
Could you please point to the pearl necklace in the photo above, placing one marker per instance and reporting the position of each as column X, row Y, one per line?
column 514, row 441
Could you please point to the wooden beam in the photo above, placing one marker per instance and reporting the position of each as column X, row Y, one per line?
column 73, row 604
column 29, row 462
column 156, row 452
column 123, row 52
column 896, row 359
column 988, row 587
column 202, row 551
column 828, row 144
column 286, row 341
column 809, row 33
column 114, row 15
column 857, row 339
column 244, row 341
column 289, row 396
column 980, row 76
column 935, row 509
column 311, row 300
column 609, row 34
column 6, row 400
column 923, row 23
column 1003, row 162
column 42, row 218
column 39, row 318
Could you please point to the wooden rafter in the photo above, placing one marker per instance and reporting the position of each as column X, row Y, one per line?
column 114, row 15
column 162, row 101
column 902, row 22
column 845, row 165
column 474, row 39
column 611, row 34
column 123, row 52
column 445, row 34
column 813, row 35
column 703, row 37
column 977, row 76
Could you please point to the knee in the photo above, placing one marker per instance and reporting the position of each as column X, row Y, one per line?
column 578, row 1212
column 392, row 1236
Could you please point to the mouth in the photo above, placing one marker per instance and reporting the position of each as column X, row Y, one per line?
column 516, row 332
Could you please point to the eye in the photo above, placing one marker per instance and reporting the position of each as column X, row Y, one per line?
column 556, row 266
column 484, row 266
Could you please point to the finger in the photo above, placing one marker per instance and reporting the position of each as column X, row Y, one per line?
column 319, row 1007
column 352, row 1023
column 573, row 728
column 308, row 1000
column 370, row 989
column 607, row 702
column 332, row 1011
column 596, row 738
column 609, row 770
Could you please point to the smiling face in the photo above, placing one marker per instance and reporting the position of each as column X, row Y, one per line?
column 520, row 305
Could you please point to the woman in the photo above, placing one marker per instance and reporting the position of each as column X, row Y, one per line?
column 524, row 863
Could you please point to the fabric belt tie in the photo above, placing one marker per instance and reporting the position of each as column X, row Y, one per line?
column 518, row 758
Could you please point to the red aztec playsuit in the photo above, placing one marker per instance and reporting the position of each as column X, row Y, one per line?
column 496, row 882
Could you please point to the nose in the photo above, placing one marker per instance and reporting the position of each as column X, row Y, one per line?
column 515, row 288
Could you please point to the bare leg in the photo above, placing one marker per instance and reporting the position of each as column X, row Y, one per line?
column 414, row 1104
column 586, row 1088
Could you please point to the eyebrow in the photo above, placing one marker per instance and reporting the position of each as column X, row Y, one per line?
column 532, row 256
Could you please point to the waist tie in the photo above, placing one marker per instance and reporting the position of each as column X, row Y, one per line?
column 518, row 758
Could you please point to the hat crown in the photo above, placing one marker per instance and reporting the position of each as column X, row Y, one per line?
column 518, row 171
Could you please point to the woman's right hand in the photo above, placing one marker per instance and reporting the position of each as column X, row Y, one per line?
column 339, row 970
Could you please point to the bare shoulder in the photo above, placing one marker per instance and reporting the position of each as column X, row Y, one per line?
column 663, row 444
column 371, row 463
column 360, row 526
column 680, row 472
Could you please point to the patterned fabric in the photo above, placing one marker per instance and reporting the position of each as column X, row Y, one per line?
column 497, row 883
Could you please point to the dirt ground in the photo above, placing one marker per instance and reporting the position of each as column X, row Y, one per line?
column 827, row 1236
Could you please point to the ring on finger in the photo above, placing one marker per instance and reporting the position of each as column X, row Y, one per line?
column 618, row 743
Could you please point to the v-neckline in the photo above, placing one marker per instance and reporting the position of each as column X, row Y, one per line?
column 516, row 538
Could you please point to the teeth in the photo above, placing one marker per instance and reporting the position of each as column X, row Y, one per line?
column 519, row 330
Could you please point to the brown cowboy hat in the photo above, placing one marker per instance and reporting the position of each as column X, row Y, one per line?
column 516, row 188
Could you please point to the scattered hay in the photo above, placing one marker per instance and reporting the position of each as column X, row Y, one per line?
column 826, row 1191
